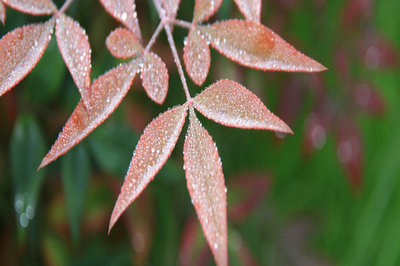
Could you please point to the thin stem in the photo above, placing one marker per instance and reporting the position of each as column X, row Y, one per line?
column 177, row 61
column 154, row 37
column 65, row 6
column 171, row 42
column 181, row 23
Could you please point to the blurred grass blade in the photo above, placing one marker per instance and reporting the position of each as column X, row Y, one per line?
column 26, row 150
column 75, row 170
column 111, row 146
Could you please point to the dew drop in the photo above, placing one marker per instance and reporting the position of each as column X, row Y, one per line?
column 23, row 220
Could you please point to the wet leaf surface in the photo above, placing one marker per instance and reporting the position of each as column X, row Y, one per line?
column 20, row 50
column 197, row 57
column 75, row 48
column 253, row 45
column 206, row 187
column 230, row 104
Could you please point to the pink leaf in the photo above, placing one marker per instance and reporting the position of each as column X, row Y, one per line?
column 75, row 49
column 197, row 57
column 125, row 12
column 34, row 7
column 122, row 43
column 155, row 78
column 251, row 9
column 253, row 45
column 170, row 7
column 2, row 13
column 20, row 50
column 204, row 9
column 206, row 185
column 368, row 98
column 230, row 104
column 107, row 92
column 152, row 151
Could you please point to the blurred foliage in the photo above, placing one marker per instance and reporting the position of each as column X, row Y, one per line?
column 327, row 195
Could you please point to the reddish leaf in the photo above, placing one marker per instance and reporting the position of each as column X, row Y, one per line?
column 2, row 13
column 251, row 9
column 125, row 12
column 368, row 98
column 252, row 188
column 204, row 9
column 122, row 43
column 20, row 50
column 155, row 78
column 75, row 49
column 107, row 92
column 34, row 7
column 197, row 57
column 377, row 52
column 230, row 104
column 349, row 150
column 355, row 10
column 206, row 185
column 152, row 151
column 170, row 7
column 253, row 45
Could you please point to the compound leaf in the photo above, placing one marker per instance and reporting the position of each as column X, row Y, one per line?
column 230, row 104
column 251, row 9
column 197, row 57
column 107, row 92
column 34, row 7
column 122, row 43
column 206, row 186
column 75, row 49
column 253, row 45
column 155, row 77
column 20, row 50
column 152, row 151
column 125, row 12
column 204, row 9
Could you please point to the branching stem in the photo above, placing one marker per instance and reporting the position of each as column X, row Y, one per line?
column 165, row 22
column 64, row 6
column 154, row 37
column 182, row 23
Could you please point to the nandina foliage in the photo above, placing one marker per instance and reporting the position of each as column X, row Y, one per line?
column 246, row 42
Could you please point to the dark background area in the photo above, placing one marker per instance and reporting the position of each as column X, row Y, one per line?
column 327, row 195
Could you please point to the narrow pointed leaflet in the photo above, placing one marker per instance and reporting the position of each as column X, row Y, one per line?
column 197, row 57
column 204, row 9
column 206, row 185
column 107, row 92
column 155, row 77
column 125, row 12
column 34, row 7
column 230, row 104
column 251, row 9
column 2, row 13
column 253, row 45
column 123, row 44
column 154, row 147
column 20, row 50
column 75, row 49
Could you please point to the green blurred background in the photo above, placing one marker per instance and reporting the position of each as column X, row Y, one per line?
column 327, row 195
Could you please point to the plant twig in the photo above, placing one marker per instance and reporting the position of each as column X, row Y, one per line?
column 154, row 37
column 65, row 6
column 171, row 42
column 181, row 23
